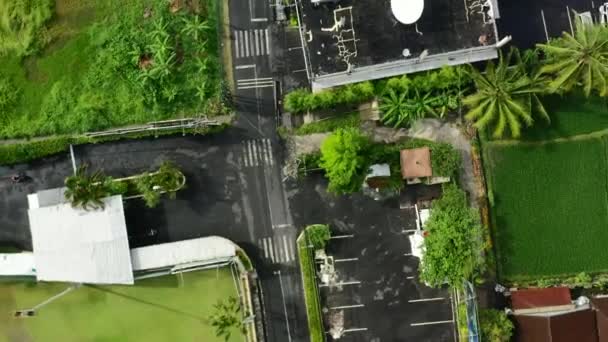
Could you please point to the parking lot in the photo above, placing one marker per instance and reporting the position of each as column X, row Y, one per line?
column 376, row 295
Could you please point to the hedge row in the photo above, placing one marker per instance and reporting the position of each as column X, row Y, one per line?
column 311, row 294
column 24, row 152
column 302, row 100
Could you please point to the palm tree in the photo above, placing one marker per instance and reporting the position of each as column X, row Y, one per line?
column 227, row 317
column 505, row 96
column 579, row 59
column 195, row 27
column 86, row 190
column 401, row 110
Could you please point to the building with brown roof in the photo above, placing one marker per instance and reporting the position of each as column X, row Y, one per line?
column 416, row 163
column 528, row 301
column 571, row 326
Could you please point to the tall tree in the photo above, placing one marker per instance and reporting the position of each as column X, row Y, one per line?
column 579, row 59
column 506, row 96
column 342, row 158
column 195, row 27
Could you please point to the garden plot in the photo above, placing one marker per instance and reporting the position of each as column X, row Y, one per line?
column 550, row 208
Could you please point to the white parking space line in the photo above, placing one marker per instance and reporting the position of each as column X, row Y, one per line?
column 426, row 300
column 248, row 66
column 259, row 19
column 407, row 254
column 342, row 283
column 346, row 260
column 354, row 330
column 409, row 277
column 431, row 323
column 347, row 307
column 348, row 236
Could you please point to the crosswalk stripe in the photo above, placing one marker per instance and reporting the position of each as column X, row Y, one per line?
column 241, row 43
column 267, row 42
column 269, row 150
column 262, row 243
column 245, row 156
column 264, row 156
column 257, row 42
column 254, row 153
column 271, row 249
column 250, row 153
column 246, row 34
column 287, row 258
column 237, row 52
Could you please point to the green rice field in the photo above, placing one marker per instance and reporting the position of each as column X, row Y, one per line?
column 168, row 308
column 549, row 198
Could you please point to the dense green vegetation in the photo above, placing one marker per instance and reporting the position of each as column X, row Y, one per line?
column 495, row 326
column 453, row 246
column 21, row 25
column 550, row 207
column 112, row 63
column 169, row 308
column 347, row 154
column 311, row 294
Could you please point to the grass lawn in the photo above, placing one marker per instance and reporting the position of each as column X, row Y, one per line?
column 108, row 63
column 550, row 207
column 169, row 308
column 570, row 115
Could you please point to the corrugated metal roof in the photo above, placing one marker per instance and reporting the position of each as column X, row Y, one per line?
column 74, row 245
column 182, row 252
column 17, row 264
column 535, row 298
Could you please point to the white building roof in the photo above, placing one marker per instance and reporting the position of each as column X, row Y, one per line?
column 75, row 245
column 201, row 250
column 17, row 264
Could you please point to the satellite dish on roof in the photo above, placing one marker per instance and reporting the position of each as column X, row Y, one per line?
column 407, row 11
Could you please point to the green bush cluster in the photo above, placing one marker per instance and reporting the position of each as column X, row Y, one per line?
column 347, row 154
column 22, row 25
column 302, row 100
column 495, row 326
column 9, row 94
column 318, row 235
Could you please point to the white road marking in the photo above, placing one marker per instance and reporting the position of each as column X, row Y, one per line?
column 286, row 245
column 284, row 225
column 271, row 249
column 258, row 46
column 430, row 323
column 346, row 260
column 264, row 243
column 425, row 300
column 347, row 307
column 267, row 42
column 237, row 51
column 259, row 19
column 280, row 252
column 246, row 43
column 269, row 150
column 407, row 254
column 354, row 330
column 284, row 305
column 410, row 277
column 255, row 152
